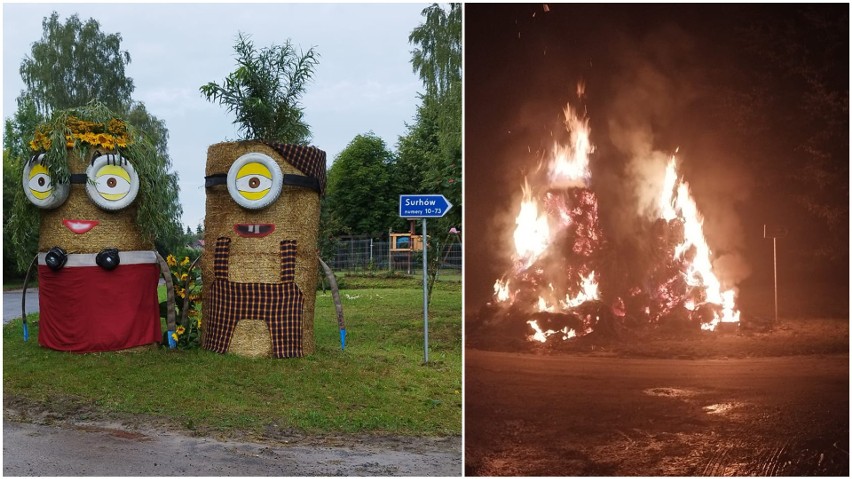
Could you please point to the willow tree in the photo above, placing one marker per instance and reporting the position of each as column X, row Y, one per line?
column 435, row 137
column 74, row 64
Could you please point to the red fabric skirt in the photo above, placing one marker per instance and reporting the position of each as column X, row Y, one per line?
column 88, row 309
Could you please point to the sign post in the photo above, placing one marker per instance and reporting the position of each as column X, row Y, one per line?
column 422, row 207
column 774, row 233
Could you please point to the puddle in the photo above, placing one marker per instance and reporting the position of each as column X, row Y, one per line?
column 720, row 408
column 670, row 392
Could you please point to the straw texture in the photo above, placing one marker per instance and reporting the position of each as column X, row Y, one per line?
column 251, row 339
column 295, row 215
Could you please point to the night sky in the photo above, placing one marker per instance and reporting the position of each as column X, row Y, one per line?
column 755, row 98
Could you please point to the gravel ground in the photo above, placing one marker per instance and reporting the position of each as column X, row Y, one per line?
column 47, row 442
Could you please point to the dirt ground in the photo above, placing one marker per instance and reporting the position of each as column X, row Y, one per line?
column 66, row 438
column 768, row 402
column 788, row 337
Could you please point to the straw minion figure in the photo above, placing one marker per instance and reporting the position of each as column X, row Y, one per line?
column 98, row 269
column 260, row 267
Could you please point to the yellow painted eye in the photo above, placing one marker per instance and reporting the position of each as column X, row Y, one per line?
column 39, row 186
column 254, row 180
column 113, row 183
column 39, row 182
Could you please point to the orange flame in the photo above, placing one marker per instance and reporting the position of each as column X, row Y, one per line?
column 569, row 165
column 532, row 234
column 676, row 202
column 541, row 336
column 589, row 292
column 501, row 291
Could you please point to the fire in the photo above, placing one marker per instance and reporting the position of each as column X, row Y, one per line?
column 501, row 291
column 589, row 292
column 677, row 203
column 541, row 336
column 569, row 165
column 556, row 234
column 554, row 282
column 532, row 234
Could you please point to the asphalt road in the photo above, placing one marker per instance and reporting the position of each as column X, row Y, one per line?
column 12, row 303
column 532, row 415
column 90, row 450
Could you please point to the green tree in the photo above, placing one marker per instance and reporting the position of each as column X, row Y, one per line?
column 15, row 147
column 169, row 236
column 430, row 153
column 264, row 91
column 437, row 58
column 75, row 64
column 360, row 197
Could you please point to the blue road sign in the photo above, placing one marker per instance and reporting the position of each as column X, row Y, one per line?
column 423, row 206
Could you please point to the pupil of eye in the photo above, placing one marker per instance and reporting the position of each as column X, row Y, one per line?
column 111, row 182
column 41, row 181
column 254, row 182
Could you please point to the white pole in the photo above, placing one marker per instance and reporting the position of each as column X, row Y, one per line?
column 775, row 273
column 425, row 299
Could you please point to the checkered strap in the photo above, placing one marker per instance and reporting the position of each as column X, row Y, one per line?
column 288, row 261
column 220, row 258
column 307, row 159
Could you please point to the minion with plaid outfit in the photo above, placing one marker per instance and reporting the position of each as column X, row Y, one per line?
column 261, row 228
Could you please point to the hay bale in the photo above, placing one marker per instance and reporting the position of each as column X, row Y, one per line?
column 295, row 215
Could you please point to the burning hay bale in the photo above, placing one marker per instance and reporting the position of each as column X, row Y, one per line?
column 553, row 285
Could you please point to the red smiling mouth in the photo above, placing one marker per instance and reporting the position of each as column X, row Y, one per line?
column 79, row 226
column 253, row 230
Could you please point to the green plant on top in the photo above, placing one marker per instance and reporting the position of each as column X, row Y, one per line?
column 264, row 91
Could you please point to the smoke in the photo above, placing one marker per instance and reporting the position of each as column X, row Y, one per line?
column 651, row 112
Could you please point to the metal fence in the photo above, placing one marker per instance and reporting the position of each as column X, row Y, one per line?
column 356, row 255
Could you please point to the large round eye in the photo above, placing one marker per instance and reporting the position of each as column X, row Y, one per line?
column 112, row 182
column 254, row 180
column 40, row 188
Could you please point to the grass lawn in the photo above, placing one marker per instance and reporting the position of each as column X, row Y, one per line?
column 379, row 384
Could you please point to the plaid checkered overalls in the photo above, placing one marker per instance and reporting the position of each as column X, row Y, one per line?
column 279, row 305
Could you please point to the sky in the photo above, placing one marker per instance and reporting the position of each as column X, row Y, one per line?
column 364, row 81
